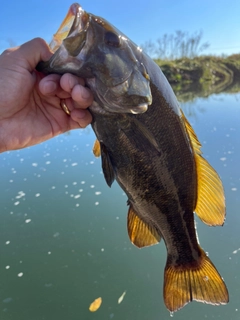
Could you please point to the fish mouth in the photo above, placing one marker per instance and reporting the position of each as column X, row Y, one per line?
column 67, row 42
column 76, row 20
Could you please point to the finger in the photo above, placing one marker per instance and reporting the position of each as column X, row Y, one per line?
column 33, row 51
column 69, row 81
column 50, row 84
column 82, row 117
column 82, row 96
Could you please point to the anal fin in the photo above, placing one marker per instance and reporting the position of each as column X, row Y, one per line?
column 200, row 282
column 140, row 233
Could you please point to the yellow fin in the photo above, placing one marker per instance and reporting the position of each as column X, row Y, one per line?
column 200, row 282
column 141, row 233
column 97, row 149
column 210, row 201
column 210, row 206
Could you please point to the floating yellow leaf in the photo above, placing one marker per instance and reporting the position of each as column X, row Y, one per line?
column 95, row 305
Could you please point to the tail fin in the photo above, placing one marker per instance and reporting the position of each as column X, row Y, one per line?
column 201, row 282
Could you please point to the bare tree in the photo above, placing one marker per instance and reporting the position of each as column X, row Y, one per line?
column 175, row 46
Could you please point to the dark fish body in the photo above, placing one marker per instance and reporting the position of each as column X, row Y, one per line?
column 150, row 156
column 148, row 146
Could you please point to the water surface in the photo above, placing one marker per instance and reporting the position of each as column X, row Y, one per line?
column 63, row 236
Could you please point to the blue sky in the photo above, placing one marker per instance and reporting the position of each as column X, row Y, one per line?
column 140, row 20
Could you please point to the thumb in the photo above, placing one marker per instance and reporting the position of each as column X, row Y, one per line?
column 34, row 51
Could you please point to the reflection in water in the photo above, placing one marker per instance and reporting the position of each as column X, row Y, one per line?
column 191, row 91
column 63, row 235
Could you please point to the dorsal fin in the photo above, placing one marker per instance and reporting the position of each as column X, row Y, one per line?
column 140, row 233
column 210, row 205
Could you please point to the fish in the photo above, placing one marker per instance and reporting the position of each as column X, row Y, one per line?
column 148, row 146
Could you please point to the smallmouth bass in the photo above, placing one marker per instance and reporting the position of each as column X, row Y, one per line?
column 149, row 147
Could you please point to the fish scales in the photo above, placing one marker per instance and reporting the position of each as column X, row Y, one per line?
column 156, row 187
column 149, row 147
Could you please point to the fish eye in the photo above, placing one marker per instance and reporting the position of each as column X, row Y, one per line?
column 112, row 39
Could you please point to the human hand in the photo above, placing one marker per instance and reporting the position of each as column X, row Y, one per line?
column 30, row 110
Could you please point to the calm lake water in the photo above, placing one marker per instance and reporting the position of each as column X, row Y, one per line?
column 63, row 236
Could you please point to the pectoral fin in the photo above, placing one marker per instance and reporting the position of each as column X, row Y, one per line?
column 142, row 131
column 141, row 233
column 210, row 205
column 107, row 166
column 97, row 148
